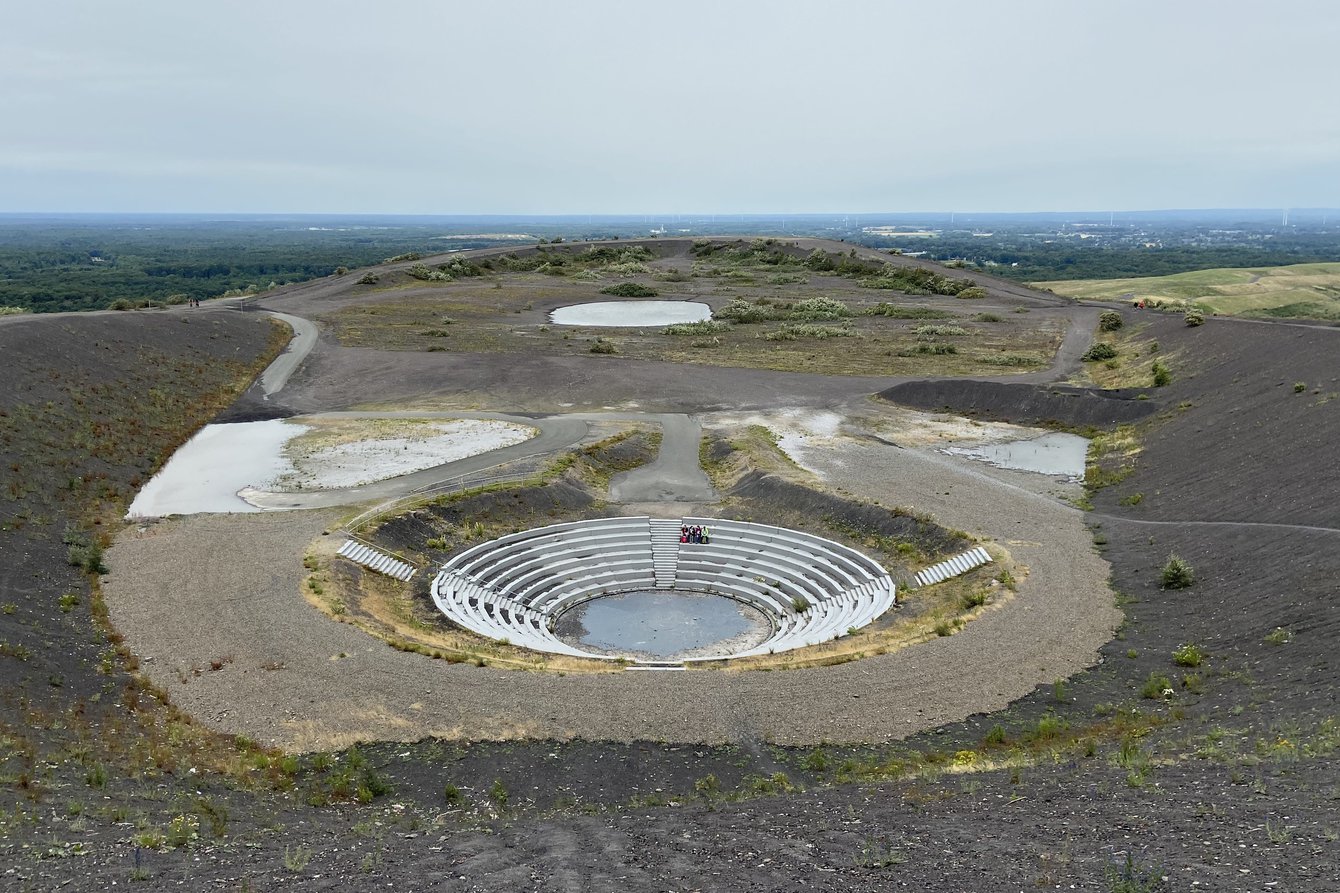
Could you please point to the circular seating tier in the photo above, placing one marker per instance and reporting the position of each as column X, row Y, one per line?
column 811, row 589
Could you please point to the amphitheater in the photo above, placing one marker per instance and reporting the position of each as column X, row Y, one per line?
column 809, row 589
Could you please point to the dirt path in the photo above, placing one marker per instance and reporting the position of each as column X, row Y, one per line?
column 675, row 476
column 277, row 373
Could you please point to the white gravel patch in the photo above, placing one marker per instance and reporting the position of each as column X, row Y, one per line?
column 359, row 462
column 619, row 314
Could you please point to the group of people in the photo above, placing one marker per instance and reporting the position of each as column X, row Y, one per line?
column 695, row 534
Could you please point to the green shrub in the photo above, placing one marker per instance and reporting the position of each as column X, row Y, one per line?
column 1279, row 636
column 972, row 291
column 1177, row 573
column 1109, row 321
column 1100, row 351
column 427, row 274
column 630, row 290
column 6, row 310
column 121, row 304
column 498, row 793
column 1194, row 318
column 818, row 308
column 702, row 327
column 1156, row 686
column 368, row 279
column 894, row 311
column 793, row 332
column 1188, row 656
column 409, row 255
column 1299, row 387
column 1162, row 374
column 603, row 346
column 933, row 330
column 453, row 795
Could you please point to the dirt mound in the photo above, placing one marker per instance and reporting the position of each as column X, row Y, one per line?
column 768, row 499
column 1025, row 404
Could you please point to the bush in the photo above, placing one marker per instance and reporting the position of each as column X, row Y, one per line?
column 1299, row 387
column 818, row 308
column 795, row 332
column 1100, row 351
column 120, row 304
column 941, row 330
column 894, row 311
column 1188, row 656
column 972, row 291
column 603, row 346
column 1194, row 318
column 1109, row 321
column 703, row 327
column 428, row 274
column 7, row 310
column 1156, row 686
column 368, row 279
column 1177, row 574
column 630, row 290
column 1162, row 374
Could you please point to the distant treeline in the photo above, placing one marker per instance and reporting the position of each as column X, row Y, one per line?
column 48, row 267
column 49, row 264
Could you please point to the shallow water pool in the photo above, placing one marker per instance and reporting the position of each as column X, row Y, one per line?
column 206, row 473
column 1057, row 454
column 630, row 314
column 663, row 625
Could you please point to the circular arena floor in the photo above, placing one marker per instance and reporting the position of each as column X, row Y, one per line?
column 808, row 589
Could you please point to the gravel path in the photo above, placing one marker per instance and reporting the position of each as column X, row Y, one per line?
column 292, row 677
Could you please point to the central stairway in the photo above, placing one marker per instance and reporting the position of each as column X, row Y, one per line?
column 665, row 550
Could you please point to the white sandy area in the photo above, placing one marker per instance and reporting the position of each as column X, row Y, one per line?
column 363, row 461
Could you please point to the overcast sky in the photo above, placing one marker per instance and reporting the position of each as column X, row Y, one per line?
column 512, row 107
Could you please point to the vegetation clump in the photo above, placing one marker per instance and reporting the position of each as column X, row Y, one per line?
column 1109, row 321
column 1194, row 318
column 702, row 327
column 1177, row 573
column 1099, row 351
column 630, row 290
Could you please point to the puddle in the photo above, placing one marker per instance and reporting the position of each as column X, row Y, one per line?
column 1056, row 454
column 631, row 313
column 206, row 473
column 661, row 625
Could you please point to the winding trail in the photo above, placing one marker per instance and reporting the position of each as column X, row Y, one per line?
column 276, row 375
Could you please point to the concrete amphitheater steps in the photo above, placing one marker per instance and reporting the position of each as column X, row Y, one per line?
column 665, row 534
column 377, row 560
column 952, row 567
column 811, row 589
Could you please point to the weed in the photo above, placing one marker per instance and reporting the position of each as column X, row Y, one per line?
column 816, row 760
column 498, row 793
column 1133, row 499
column 1299, row 387
column 1157, row 686
column 296, row 859
column 707, row 787
column 453, row 795
column 1279, row 636
column 878, row 853
column 1162, row 374
column 995, row 737
column 1188, row 656
column 1130, row 878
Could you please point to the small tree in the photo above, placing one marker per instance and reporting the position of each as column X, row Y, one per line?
column 1109, row 321
column 1194, row 318
column 1177, row 574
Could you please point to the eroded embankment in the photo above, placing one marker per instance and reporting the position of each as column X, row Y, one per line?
column 1026, row 404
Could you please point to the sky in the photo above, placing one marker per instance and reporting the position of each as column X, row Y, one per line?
column 731, row 106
